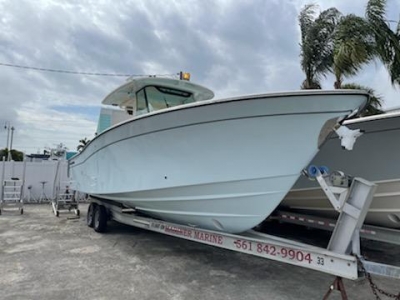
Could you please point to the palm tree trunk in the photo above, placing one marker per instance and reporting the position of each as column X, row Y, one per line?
column 338, row 82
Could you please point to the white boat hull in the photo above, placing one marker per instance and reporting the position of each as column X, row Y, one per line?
column 375, row 157
column 220, row 165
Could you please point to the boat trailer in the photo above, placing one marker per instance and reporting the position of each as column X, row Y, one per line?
column 342, row 258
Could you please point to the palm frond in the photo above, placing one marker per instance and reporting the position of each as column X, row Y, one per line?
column 398, row 29
column 375, row 102
column 387, row 41
column 316, row 43
column 306, row 19
column 354, row 46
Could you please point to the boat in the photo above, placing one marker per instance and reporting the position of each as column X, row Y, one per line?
column 375, row 157
column 218, row 164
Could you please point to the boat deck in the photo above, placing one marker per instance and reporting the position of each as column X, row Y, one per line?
column 44, row 257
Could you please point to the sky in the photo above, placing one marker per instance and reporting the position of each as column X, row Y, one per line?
column 233, row 47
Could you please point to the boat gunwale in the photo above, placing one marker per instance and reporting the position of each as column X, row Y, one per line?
column 234, row 99
column 192, row 124
column 366, row 119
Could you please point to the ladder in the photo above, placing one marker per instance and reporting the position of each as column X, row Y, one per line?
column 12, row 195
column 12, row 191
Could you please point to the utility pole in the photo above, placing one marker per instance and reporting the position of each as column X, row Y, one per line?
column 9, row 150
column 7, row 127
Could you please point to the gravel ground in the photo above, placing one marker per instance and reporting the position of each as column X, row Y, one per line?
column 44, row 257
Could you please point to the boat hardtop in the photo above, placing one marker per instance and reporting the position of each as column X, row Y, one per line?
column 148, row 94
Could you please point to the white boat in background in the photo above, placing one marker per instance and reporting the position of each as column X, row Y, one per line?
column 217, row 164
column 375, row 157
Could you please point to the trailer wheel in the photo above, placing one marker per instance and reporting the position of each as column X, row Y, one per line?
column 100, row 219
column 78, row 213
column 90, row 215
column 57, row 213
column 22, row 211
column 0, row 211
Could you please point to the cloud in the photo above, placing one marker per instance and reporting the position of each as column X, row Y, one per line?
column 42, row 126
column 233, row 47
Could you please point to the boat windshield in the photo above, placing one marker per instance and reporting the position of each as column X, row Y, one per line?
column 152, row 98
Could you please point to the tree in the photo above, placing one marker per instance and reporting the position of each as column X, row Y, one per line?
column 82, row 144
column 387, row 42
column 359, row 40
column 375, row 102
column 316, row 44
column 344, row 44
column 15, row 154
column 353, row 47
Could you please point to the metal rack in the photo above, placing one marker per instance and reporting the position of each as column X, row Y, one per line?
column 12, row 192
column 12, row 195
column 65, row 200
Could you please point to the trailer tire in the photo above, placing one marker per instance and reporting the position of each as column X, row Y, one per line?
column 22, row 211
column 100, row 219
column 90, row 214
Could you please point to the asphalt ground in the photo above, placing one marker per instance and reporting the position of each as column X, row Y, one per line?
column 44, row 257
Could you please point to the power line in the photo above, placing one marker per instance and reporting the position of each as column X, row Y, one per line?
column 77, row 72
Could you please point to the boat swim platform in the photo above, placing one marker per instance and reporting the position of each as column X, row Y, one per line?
column 44, row 257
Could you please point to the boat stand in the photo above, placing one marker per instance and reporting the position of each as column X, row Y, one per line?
column 338, row 286
column 341, row 258
column 12, row 192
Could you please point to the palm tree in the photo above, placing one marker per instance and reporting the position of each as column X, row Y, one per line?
column 344, row 44
column 316, row 44
column 375, row 102
column 82, row 144
column 387, row 42
column 353, row 47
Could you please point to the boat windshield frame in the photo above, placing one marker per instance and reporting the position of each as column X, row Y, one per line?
column 144, row 99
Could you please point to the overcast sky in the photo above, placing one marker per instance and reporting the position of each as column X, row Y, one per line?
column 233, row 47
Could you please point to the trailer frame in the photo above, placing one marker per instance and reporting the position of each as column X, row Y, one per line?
column 342, row 257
